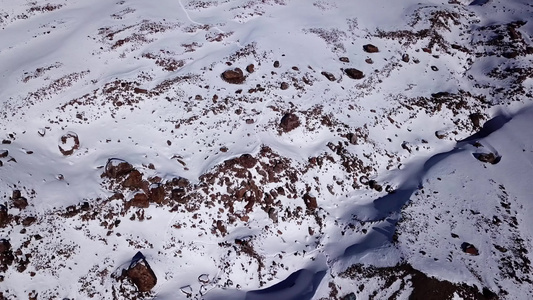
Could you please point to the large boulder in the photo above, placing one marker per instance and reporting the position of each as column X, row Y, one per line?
column 235, row 76
column 289, row 122
column 354, row 73
column 141, row 274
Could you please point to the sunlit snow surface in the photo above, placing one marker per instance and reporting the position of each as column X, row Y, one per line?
column 141, row 81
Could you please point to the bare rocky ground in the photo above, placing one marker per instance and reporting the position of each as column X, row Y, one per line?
column 213, row 178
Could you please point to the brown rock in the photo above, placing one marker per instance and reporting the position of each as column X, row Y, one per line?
column 476, row 119
column 20, row 203
column 284, row 86
column 157, row 194
column 310, row 202
column 6, row 255
column 344, row 59
column 289, row 122
column 116, row 168
column 490, row 158
column 250, row 68
column 134, row 180
column 141, row 274
column 405, row 58
column 276, row 64
column 354, row 73
column 329, row 76
column 178, row 195
column 140, row 200
column 470, row 249
column 140, row 91
column 3, row 153
column 247, row 161
column 370, row 48
column 235, row 76
column 28, row 221
column 4, row 216
column 16, row 194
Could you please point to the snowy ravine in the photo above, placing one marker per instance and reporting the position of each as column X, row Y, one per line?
column 266, row 149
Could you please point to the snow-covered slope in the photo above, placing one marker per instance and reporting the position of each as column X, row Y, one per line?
column 259, row 149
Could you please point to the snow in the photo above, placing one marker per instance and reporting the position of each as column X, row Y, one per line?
column 124, row 78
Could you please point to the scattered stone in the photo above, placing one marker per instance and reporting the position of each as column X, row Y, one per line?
column 284, row 85
column 470, row 249
column 250, row 68
column 235, row 76
column 440, row 134
column 4, row 153
column 134, row 181
column 72, row 141
column 140, row 273
column 434, row 68
column 329, row 76
column 273, row 214
column 276, row 64
column 488, row 158
column 6, row 142
column 344, row 59
column 369, row 61
column 157, row 194
column 247, row 161
column 405, row 58
column 116, row 168
column 204, row 278
column 354, row 73
column 289, row 122
column 249, row 121
column 370, row 48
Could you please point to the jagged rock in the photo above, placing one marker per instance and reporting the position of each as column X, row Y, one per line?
column 140, row 91
column 273, row 214
column 284, row 86
column 329, row 76
column 370, row 48
column 140, row 200
column 141, row 274
column 344, row 59
column 354, row 73
column 250, row 68
column 4, row 153
column 405, row 58
column 116, row 168
column 470, row 249
column 490, row 158
column 157, row 194
column 134, row 180
column 289, row 122
column 75, row 141
column 235, row 76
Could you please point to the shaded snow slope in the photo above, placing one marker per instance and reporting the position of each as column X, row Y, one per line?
column 358, row 147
